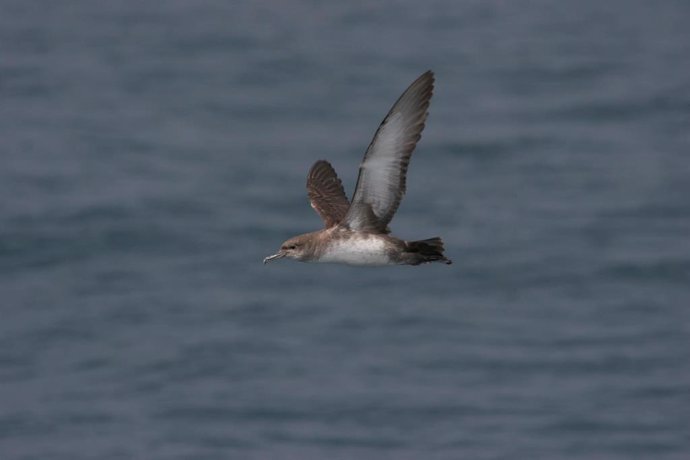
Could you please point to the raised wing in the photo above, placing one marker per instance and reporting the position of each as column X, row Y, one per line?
column 326, row 193
column 381, row 182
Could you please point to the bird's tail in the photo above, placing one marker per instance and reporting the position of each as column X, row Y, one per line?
column 424, row 251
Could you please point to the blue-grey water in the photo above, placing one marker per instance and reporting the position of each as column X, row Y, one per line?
column 152, row 153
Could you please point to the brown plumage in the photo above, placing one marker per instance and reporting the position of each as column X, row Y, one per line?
column 357, row 233
column 326, row 193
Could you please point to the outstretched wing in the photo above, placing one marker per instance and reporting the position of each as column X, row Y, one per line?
column 381, row 182
column 326, row 193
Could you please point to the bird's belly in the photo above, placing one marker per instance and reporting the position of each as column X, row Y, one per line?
column 369, row 251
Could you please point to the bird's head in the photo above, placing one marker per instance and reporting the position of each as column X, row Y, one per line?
column 294, row 248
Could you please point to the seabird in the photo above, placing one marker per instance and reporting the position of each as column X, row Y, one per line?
column 357, row 232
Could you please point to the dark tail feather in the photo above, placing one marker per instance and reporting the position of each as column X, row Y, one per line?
column 429, row 250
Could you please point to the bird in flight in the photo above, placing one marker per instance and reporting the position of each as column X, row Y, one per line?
column 357, row 233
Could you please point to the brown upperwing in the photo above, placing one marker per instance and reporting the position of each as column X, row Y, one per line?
column 326, row 193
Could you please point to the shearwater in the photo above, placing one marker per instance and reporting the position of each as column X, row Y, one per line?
column 357, row 232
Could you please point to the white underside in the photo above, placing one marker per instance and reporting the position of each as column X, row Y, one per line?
column 370, row 251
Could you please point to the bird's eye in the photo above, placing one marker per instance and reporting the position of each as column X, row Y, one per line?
column 292, row 246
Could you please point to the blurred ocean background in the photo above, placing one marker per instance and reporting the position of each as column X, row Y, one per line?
column 152, row 153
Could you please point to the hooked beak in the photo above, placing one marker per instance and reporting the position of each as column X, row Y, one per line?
column 278, row 255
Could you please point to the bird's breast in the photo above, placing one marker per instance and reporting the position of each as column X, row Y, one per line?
column 369, row 250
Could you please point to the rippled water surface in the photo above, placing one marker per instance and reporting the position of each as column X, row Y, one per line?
column 154, row 152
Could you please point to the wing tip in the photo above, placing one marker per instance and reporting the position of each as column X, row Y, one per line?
column 428, row 75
